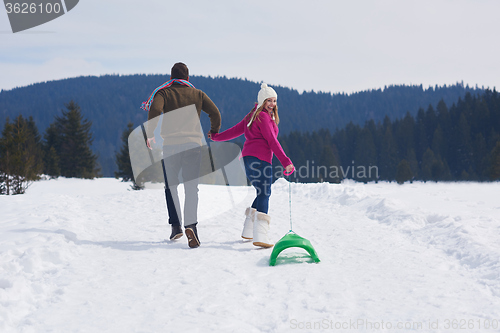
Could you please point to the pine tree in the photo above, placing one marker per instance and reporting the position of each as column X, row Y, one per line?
column 20, row 156
column 51, row 164
column 431, row 123
column 76, row 159
column 403, row 173
column 464, row 148
column 328, row 164
column 388, row 153
column 123, row 157
column 421, row 143
column 433, row 167
column 438, row 145
column 495, row 162
column 36, row 140
column 413, row 162
column 365, row 154
column 51, row 146
column 480, row 157
column 405, row 135
column 345, row 140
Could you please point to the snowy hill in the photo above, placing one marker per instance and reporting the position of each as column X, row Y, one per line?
column 91, row 256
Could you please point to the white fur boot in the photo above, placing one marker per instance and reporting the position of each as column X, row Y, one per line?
column 260, row 229
column 248, row 225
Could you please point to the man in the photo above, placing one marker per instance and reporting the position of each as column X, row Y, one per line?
column 181, row 103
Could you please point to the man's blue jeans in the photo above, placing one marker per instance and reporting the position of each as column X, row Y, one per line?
column 184, row 159
column 260, row 174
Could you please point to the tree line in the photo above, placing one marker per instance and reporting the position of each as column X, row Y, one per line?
column 112, row 101
column 459, row 143
column 63, row 150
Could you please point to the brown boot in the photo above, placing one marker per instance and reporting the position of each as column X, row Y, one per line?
column 192, row 235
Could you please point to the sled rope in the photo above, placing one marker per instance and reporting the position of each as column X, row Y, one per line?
column 290, row 202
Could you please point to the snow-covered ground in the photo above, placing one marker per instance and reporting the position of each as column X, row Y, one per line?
column 91, row 256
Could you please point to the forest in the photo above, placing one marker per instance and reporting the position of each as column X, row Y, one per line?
column 456, row 143
column 111, row 102
column 63, row 150
column 457, row 140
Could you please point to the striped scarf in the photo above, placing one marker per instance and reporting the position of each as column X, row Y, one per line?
column 146, row 105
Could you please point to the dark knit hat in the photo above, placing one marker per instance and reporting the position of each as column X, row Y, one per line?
column 179, row 71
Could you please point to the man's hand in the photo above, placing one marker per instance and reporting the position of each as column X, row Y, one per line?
column 210, row 133
column 148, row 142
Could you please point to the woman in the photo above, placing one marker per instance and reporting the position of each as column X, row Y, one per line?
column 260, row 128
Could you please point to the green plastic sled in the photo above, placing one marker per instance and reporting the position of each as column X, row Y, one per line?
column 291, row 239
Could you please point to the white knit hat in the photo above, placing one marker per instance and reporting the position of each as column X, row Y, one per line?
column 265, row 93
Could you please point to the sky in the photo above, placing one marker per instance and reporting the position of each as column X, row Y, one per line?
column 320, row 45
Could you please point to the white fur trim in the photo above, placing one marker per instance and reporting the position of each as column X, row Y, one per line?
column 263, row 217
column 250, row 210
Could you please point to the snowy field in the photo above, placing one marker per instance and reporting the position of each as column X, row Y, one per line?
column 91, row 256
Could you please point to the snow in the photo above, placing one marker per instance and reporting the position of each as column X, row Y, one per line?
column 91, row 256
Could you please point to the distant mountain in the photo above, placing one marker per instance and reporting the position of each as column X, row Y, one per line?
column 111, row 101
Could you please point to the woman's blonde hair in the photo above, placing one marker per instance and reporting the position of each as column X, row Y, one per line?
column 255, row 114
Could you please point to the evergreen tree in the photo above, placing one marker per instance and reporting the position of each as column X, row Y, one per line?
column 431, row 123
column 365, row 154
column 72, row 142
column 403, row 173
column 464, row 148
column 388, row 153
column 123, row 157
column 438, row 142
column 36, row 140
column 411, row 157
column 51, row 146
column 51, row 163
column 405, row 135
column 421, row 135
column 495, row 162
column 444, row 123
column 480, row 157
column 328, row 165
column 481, row 116
column 428, row 160
column 433, row 167
column 345, row 140
column 20, row 156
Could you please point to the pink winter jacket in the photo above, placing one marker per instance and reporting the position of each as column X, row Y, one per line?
column 261, row 139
